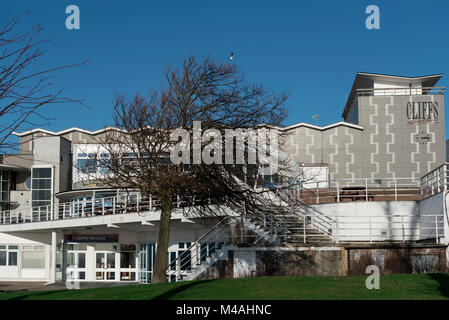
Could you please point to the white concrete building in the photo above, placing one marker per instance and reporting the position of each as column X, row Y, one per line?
column 380, row 176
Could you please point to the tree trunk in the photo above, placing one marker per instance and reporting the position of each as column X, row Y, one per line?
column 160, row 264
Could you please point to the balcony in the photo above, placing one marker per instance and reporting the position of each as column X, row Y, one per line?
column 400, row 91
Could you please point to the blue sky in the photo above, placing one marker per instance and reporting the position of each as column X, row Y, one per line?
column 311, row 48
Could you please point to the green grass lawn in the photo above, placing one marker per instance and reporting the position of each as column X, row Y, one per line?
column 409, row 286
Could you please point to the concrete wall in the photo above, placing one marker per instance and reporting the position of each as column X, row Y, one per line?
column 335, row 146
column 397, row 260
column 328, row 261
column 392, row 145
column 26, row 239
column 386, row 219
column 384, row 144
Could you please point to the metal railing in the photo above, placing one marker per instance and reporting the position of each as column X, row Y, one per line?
column 82, row 208
column 435, row 181
column 359, row 189
column 400, row 91
column 307, row 214
column 351, row 228
column 229, row 230
column 346, row 228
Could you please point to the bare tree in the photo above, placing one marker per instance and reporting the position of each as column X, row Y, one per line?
column 140, row 146
column 24, row 87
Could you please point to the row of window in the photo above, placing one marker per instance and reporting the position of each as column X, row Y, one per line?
column 41, row 190
column 33, row 257
column 93, row 162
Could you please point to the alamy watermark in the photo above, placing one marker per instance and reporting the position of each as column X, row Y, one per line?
column 252, row 146
column 73, row 20
column 373, row 281
column 373, row 20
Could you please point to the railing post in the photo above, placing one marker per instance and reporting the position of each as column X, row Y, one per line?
column 304, row 228
column 179, row 266
column 317, row 192
column 338, row 191
column 102, row 206
column 366, row 189
column 151, row 202
column 436, row 229
column 421, row 187
column 444, row 177
column 311, row 219
column 38, row 213
column 198, row 254
column 432, row 183
column 419, row 227
column 395, row 190
column 216, row 236
column 113, row 204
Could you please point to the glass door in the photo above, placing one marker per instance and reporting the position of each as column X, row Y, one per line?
column 128, row 259
column 105, row 265
column 76, row 265
column 75, row 262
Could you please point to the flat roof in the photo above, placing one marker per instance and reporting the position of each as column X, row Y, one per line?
column 365, row 80
column 299, row 124
column 59, row 133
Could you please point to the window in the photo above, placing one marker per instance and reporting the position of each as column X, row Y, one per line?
column 3, row 258
column 8, row 255
column 33, row 257
column 86, row 163
column 12, row 258
column 104, row 162
column 41, row 191
column 128, row 256
column 4, row 189
column 28, row 183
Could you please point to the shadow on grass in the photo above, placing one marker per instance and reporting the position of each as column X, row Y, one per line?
column 173, row 292
column 443, row 281
column 31, row 294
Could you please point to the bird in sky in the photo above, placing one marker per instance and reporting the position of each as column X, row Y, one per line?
column 231, row 57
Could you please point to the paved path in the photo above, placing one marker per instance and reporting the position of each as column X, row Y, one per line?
column 39, row 286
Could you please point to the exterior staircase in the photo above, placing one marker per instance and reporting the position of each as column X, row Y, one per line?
column 282, row 225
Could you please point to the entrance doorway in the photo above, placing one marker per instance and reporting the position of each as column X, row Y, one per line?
column 76, row 262
column 105, row 265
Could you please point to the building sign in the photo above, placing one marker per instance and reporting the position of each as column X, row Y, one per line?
column 91, row 238
column 422, row 112
column 423, row 137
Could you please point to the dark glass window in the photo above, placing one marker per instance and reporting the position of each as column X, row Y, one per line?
column 41, row 173
column 12, row 258
column 2, row 258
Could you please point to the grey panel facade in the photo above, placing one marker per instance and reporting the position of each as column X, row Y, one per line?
column 398, row 137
